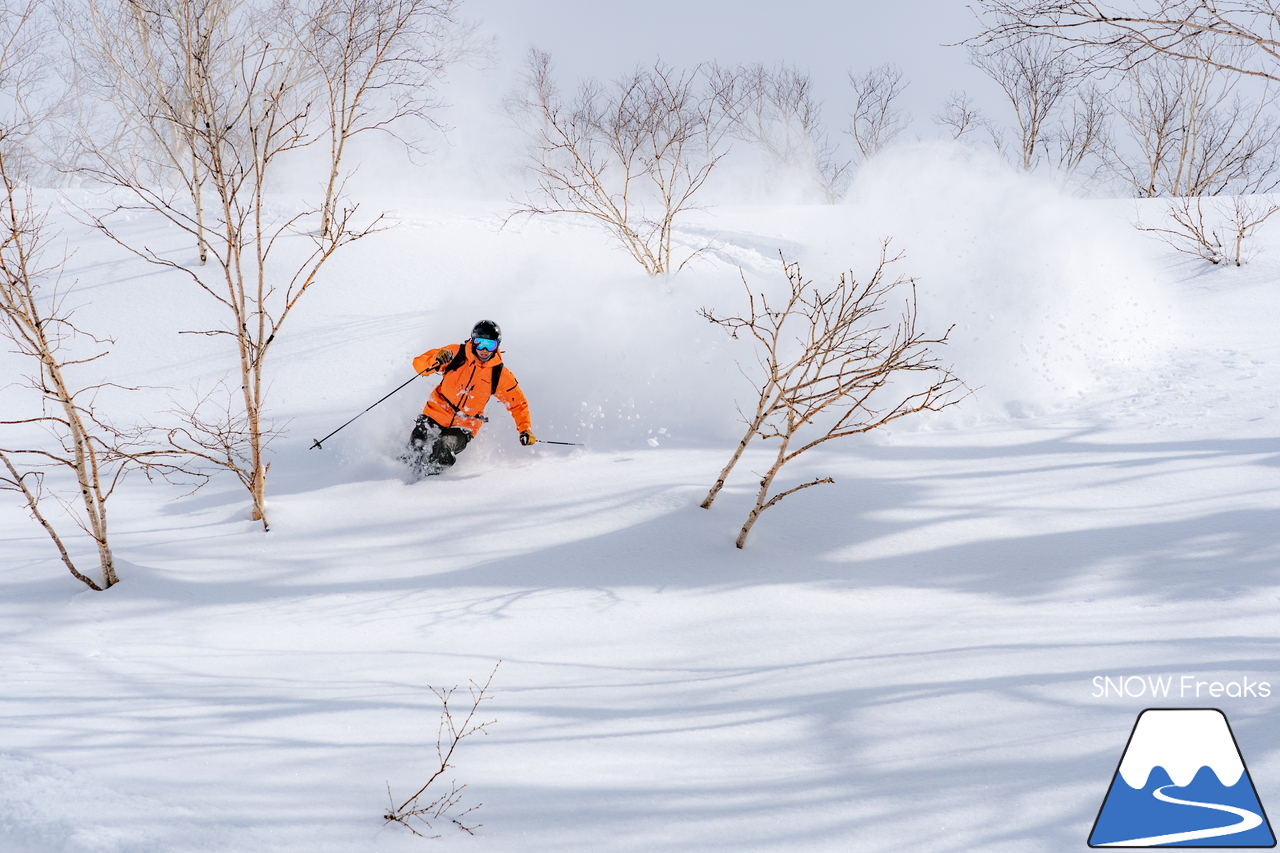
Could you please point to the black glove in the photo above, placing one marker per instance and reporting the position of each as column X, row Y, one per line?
column 527, row 438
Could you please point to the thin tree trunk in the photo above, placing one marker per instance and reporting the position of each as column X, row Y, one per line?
column 34, row 505
column 86, row 467
column 192, row 134
column 733, row 460
column 53, row 386
column 762, row 496
column 254, row 401
column 253, row 409
column 326, row 216
column 762, row 410
column 250, row 373
column 201, row 243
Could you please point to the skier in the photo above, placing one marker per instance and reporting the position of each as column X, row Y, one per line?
column 471, row 373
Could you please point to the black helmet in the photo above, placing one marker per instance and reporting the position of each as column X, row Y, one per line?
column 487, row 329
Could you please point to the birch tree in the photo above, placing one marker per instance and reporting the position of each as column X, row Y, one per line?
column 63, row 450
column 1239, row 36
column 253, row 92
column 138, row 66
column 379, row 63
column 1035, row 81
column 1198, row 77
column 774, row 108
column 1191, row 132
column 630, row 157
column 828, row 366
column 57, row 448
column 877, row 120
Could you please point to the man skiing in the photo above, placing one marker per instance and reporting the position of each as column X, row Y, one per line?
column 471, row 373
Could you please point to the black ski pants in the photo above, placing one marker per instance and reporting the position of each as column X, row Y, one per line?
column 441, row 443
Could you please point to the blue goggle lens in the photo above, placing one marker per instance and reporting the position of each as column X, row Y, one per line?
column 485, row 344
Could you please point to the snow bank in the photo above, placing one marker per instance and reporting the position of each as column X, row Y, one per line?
column 1052, row 296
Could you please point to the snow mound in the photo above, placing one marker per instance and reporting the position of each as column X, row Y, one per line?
column 1051, row 296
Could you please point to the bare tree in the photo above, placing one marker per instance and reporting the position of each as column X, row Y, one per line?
column 876, row 119
column 449, row 733
column 251, row 90
column 1239, row 36
column 29, row 96
column 38, row 327
column 774, row 108
column 1213, row 229
column 1152, row 110
column 961, row 117
column 379, row 63
column 23, row 237
column 78, row 447
column 1034, row 80
column 64, row 434
column 631, row 158
column 138, row 66
column 829, row 368
column 1084, row 136
column 1196, row 133
column 1192, row 133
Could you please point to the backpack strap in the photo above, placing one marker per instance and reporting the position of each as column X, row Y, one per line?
column 461, row 359
column 458, row 360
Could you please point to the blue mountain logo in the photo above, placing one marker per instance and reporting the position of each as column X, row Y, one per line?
column 1181, row 783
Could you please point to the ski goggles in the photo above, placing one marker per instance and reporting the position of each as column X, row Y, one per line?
column 485, row 344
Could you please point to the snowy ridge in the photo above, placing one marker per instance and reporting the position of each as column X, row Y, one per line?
column 1181, row 741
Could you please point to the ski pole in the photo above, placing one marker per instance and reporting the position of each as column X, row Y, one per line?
column 565, row 443
column 316, row 443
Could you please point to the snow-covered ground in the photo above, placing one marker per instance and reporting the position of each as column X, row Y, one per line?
column 903, row 660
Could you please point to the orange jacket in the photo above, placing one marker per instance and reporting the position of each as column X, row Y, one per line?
column 460, row 398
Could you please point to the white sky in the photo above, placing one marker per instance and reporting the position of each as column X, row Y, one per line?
column 588, row 38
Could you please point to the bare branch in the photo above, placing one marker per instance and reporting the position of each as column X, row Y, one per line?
column 1035, row 80
column 449, row 733
column 1214, row 229
column 1193, row 132
column 379, row 63
column 962, row 117
column 34, row 316
column 830, row 368
column 631, row 158
column 1239, row 35
column 18, row 482
column 876, row 120
column 774, row 109
column 211, row 97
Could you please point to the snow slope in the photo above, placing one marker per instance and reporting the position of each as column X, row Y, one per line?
column 901, row 660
